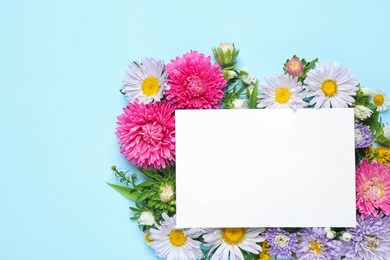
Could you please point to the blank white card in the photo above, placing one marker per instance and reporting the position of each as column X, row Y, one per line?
column 265, row 168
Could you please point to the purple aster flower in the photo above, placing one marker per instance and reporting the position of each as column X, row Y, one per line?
column 362, row 136
column 370, row 239
column 316, row 246
column 282, row 243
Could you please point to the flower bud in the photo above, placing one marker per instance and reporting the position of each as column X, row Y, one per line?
column 346, row 236
column 386, row 131
column 146, row 218
column 244, row 71
column 166, row 193
column 331, row 234
column 230, row 74
column 240, row 103
column 365, row 91
column 226, row 54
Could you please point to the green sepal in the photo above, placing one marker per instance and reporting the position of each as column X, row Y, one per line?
column 253, row 97
column 126, row 191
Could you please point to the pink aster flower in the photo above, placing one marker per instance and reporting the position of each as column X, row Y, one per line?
column 146, row 134
column 194, row 82
column 372, row 188
column 294, row 67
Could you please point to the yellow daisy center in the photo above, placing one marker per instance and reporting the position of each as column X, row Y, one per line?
column 373, row 189
column 371, row 241
column 177, row 238
column 329, row 87
column 150, row 86
column 233, row 236
column 147, row 238
column 379, row 99
column 282, row 95
column 315, row 247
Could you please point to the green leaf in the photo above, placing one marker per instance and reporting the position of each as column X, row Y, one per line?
column 151, row 174
column 253, row 96
column 145, row 184
column 144, row 195
column 126, row 191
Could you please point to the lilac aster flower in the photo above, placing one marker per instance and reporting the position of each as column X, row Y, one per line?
column 370, row 239
column 282, row 243
column 362, row 136
column 316, row 246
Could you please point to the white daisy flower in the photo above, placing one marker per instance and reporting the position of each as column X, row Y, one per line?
column 380, row 99
column 282, row 91
column 146, row 81
column 146, row 218
column 227, row 242
column 331, row 85
column 173, row 243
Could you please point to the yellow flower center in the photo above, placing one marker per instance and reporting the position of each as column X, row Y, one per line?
column 282, row 95
column 329, row 87
column 233, row 236
column 371, row 241
column 147, row 238
column 177, row 237
column 379, row 99
column 150, row 86
column 315, row 247
column 373, row 189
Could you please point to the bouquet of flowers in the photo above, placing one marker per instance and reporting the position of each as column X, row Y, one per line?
column 146, row 134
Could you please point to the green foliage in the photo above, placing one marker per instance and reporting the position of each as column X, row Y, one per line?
column 156, row 194
column 253, row 96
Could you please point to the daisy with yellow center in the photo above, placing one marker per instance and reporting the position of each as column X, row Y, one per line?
column 281, row 91
column 330, row 85
column 228, row 242
column 380, row 99
column 174, row 243
column 145, row 81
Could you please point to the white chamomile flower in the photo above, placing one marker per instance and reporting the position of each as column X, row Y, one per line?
column 174, row 243
column 281, row 91
column 227, row 242
column 380, row 99
column 362, row 112
column 331, row 85
column 146, row 81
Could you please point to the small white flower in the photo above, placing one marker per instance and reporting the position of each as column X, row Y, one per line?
column 346, row 236
column 362, row 112
column 166, row 193
column 386, row 131
column 327, row 229
column 246, row 79
column 225, row 46
column 244, row 71
column 146, row 218
column 231, row 74
column 240, row 103
column 331, row 234
column 366, row 91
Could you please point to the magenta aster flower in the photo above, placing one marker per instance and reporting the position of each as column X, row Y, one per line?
column 194, row 82
column 146, row 134
column 370, row 239
column 372, row 188
column 316, row 246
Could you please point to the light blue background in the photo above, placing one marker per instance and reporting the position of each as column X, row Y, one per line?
column 61, row 66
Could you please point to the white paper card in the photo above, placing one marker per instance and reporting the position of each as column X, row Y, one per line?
column 265, row 168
